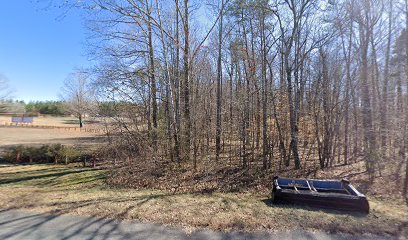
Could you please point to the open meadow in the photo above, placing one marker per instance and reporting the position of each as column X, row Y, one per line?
column 12, row 136
column 45, row 130
column 45, row 121
column 53, row 121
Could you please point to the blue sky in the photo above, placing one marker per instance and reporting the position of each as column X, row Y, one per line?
column 38, row 49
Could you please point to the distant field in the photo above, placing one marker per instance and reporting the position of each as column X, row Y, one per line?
column 52, row 121
column 66, row 132
column 31, row 136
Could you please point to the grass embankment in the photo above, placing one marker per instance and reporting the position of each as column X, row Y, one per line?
column 74, row 190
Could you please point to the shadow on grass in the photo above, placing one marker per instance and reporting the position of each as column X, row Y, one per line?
column 131, row 204
column 103, row 226
column 29, row 226
column 269, row 203
column 21, row 225
column 49, row 177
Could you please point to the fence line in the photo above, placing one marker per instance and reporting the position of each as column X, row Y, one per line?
column 75, row 129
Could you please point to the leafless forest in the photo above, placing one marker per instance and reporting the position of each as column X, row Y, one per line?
column 255, row 85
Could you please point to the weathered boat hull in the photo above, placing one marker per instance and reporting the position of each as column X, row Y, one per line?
column 330, row 194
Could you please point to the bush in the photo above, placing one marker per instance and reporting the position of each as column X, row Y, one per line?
column 55, row 153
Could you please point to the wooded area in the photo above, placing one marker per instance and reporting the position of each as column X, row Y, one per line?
column 254, row 84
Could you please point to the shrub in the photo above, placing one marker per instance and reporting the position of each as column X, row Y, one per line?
column 54, row 153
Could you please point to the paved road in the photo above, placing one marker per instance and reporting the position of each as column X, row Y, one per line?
column 17, row 224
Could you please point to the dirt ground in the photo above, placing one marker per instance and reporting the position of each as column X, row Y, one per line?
column 66, row 131
column 30, row 136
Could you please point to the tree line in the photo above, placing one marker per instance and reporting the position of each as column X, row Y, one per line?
column 256, row 83
column 46, row 107
column 56, row 108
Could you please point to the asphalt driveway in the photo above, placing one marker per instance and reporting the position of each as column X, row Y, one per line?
column 18, row 224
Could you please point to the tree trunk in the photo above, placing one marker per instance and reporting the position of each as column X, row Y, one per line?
column 369, row 140
column 265, row 144
column 177, row 91
column 218, row 89
column 186, row 84
column 292, row 117
column 327, row 128
column 405, row 136
column 384, row 105
column 151, row 74
column 347, row 56
column 80, row 120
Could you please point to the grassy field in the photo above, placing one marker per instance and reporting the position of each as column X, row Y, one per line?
column 67, row 133
column 31, row 136
column 82, row 191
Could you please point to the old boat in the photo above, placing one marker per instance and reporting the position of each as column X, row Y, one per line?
column 332, row 194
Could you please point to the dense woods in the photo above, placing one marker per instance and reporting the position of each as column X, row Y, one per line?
column 255, row 84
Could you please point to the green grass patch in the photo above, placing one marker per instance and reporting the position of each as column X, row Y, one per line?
column 50, row 176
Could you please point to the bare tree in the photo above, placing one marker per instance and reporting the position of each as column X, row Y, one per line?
column 366, row 18
column 77, row 95
column 297, row 42
column 219, row 81
column 304, row 79
column 5, row 91
column 5, row 96
column 186, row 81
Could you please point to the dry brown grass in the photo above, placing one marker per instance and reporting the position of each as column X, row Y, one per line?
column 69, row 190
column 63, row 121
column 28, row 136
column 14, row 136
column 64, row 190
